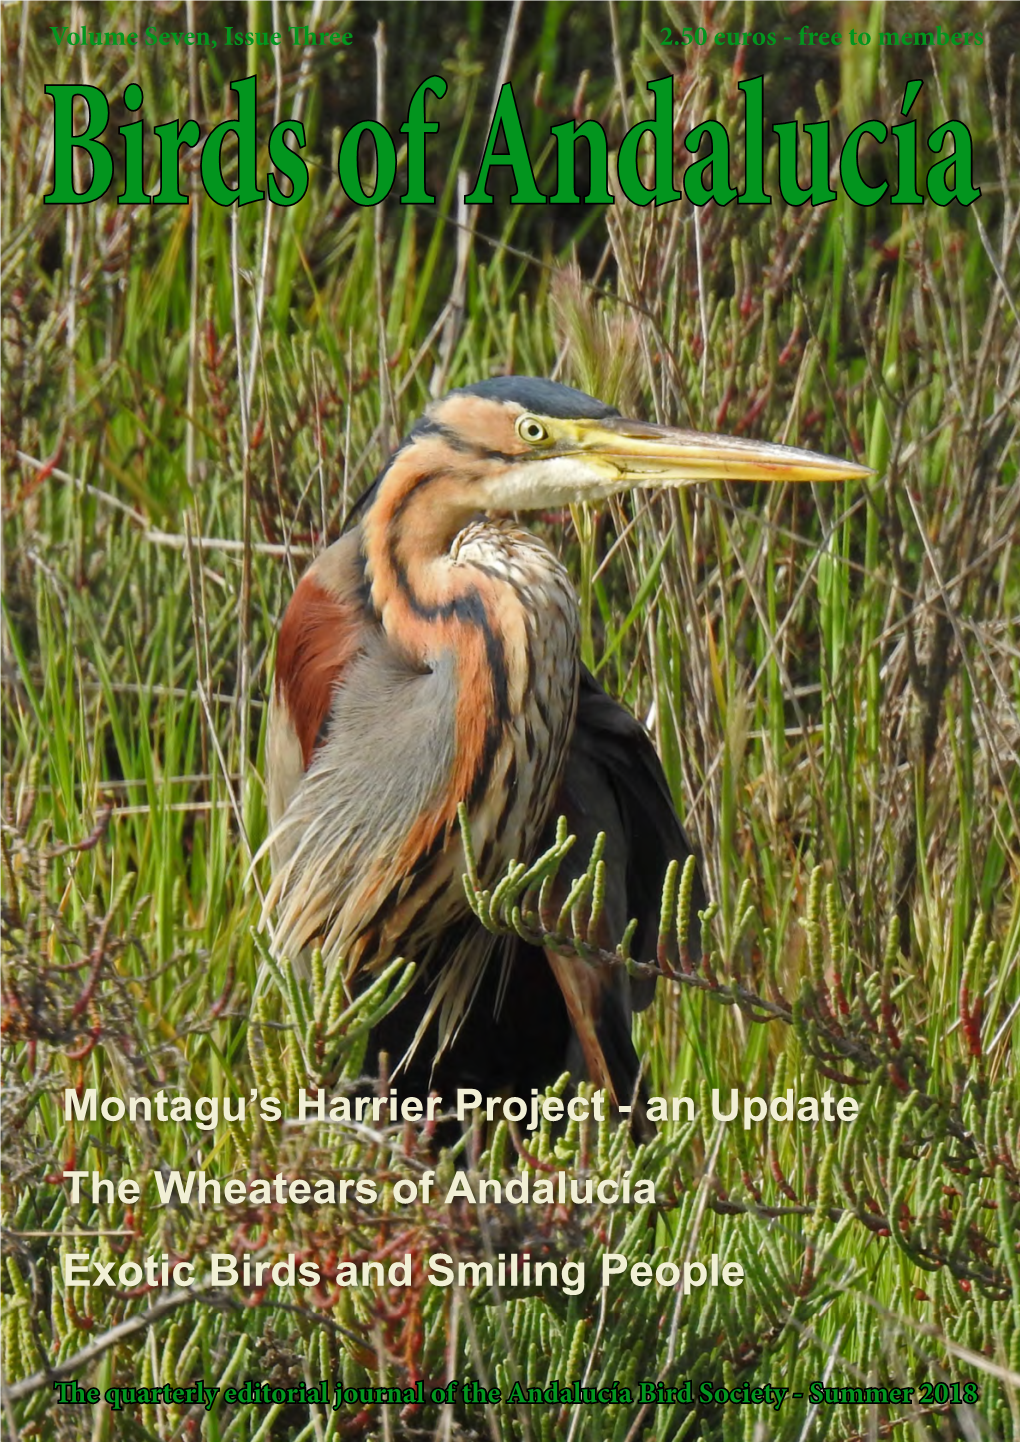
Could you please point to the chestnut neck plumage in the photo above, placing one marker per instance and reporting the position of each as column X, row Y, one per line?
column 445, row 581
column 407, row 535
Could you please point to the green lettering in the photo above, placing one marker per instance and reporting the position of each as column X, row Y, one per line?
column 567, row 136
column 720, row 190
column 285, row 160
column 134, row 192
column 244, row 127
column 65, row 142
column 385, row 162
column 416, row 127
column 660, row 128
column 906, row 192
column 507, row 119
column 850, row 165
column 960, row 161
column 172, row 136
column 789, row 186
column 754, row 192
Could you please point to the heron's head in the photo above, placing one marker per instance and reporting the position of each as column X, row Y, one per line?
column 518, row 443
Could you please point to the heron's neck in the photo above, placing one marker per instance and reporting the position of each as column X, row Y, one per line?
column 421, row 596
column 490, row 609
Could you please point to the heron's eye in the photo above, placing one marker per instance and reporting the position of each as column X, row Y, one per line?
column 531, row 430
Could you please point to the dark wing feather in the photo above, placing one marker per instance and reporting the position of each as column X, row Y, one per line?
column 511, row 1040
column 614, row 782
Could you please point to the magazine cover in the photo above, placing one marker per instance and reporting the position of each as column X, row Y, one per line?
column 510, row 721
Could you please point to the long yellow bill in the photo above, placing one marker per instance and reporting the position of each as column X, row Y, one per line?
column 659, row 455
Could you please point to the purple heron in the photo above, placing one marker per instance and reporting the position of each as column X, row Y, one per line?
column 430, row 657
